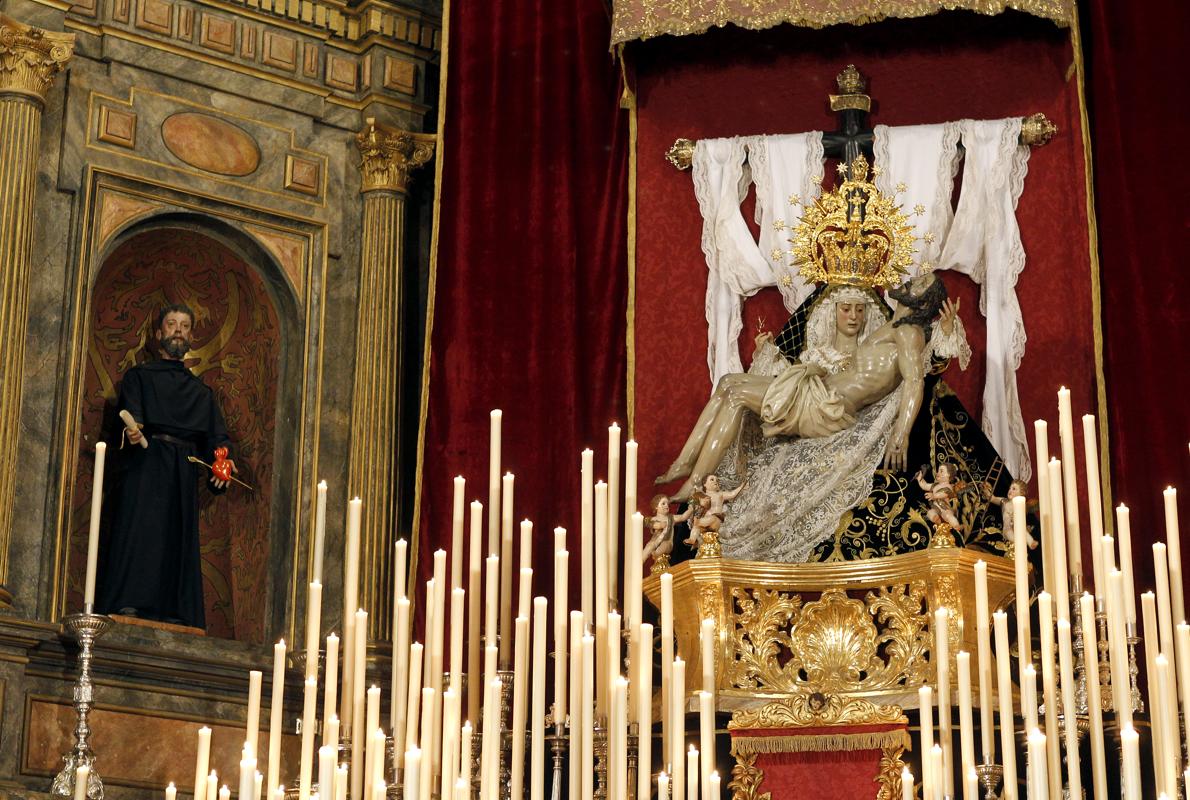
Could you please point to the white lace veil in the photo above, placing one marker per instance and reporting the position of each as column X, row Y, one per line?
column 822, row 324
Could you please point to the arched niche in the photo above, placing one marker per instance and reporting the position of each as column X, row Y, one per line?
column 247, row 348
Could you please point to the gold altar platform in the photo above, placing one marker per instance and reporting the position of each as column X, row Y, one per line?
column 856, row 628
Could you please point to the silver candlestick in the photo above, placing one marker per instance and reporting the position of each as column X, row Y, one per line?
column 990, row 776
column 84, row 628
column 1138, row 705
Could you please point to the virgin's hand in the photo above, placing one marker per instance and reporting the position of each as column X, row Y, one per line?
column 894, row 455
column 763, row 338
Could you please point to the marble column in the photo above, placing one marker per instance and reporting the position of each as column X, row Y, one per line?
column 30, row 59
column 388, row 157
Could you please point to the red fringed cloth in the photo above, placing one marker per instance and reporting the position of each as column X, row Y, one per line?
column 844, row 761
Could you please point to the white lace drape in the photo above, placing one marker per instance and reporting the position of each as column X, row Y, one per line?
column 980, row 238
column 737, row 265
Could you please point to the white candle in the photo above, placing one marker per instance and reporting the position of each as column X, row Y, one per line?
column 93, row 531
column 587, row 753
column 450, row 742
column 577, row 719
column 491, row 590
column 437, row 645
column 561, row 579
column 202, row 760
column 326, row 770
column 1066, row 662
column 171, row 792
column 224, row 792
column 465, row 759
column 613, row 654
column 714, row 787
column 907, row 784
column 1166, row 722
column 1095, row 709
column 494, row 482
column 984, row 653
column 1021, row 575
column 706, row 741
column 400, row 678
column 936, row 768
column 412, row 774
column 276, row 703
column 1118, row 649
column 1173, row 540
column 633, row 576
column 601, row 597
column 618, row 739
column 537, row 714
column 524, row 592
column 1062, row 570
column 350, row 604
column 1130, row 744
column 1124, row 533
column 458, row 611
column 706, row 640
column 81, row 776
column 313, row 620
column 359, row 661
column 644, row 709
column 506, row 632
column 520, row 686
column 457, row 523
column 962, row 662
column 1028, row 682
column 1069, row 483
column 692, row 773
column 1094, row 497
column 662, row 787
column 1041, row 442
column 1163, row 592
column 1004, row 686
column 429, row 699
column 1045, row 624
column 309, row 702
column 371, row 725
column 942, row 653
column 630, row 501
column 587, row 534
column 677, row 705
column 1182, row 640
column 474, row 611
column 329, row 705
column 252, row 720
column 925, row 708
column 400, row 570
column 1039, row 777
column 319, row 541
column 525, row 545
column 613, row 507
column 212, row 784
column 667, row 657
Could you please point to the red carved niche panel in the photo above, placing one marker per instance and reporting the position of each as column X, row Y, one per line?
column 237, row 341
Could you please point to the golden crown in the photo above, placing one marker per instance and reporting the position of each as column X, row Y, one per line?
column 854, row 235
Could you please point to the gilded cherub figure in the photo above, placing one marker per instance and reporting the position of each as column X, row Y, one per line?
column 662, row 522
column 704, row 518
column 942, row 495
column 1017, row 488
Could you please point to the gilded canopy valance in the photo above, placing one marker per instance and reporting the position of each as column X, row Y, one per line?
column 642, row 19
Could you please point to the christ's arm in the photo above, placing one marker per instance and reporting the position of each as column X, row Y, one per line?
column 909, row 345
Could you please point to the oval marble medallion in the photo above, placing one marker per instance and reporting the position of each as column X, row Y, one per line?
column 210, row 144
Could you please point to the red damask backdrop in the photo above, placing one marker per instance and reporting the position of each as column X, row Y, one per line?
column 237, row 346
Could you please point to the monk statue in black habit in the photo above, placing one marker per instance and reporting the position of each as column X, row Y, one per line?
column 152, row 567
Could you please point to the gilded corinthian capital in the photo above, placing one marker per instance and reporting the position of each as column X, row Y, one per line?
column 30, row 58
column 389, row 155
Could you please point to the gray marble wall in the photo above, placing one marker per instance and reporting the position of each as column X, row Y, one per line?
column 298, row 77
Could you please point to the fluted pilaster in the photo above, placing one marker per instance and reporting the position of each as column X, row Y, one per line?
column 388, row 158
column 30, row 59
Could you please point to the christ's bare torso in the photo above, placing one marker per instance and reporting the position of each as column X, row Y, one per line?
column 875, row 370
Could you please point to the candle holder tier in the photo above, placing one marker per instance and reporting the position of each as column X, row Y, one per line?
column 858, row 628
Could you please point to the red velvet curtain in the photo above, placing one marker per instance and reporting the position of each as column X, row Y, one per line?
column 1139, row 132
column 529, row 309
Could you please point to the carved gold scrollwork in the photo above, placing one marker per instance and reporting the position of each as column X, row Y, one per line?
column 835, row 644
column 813, row 709
column 388, row 155
column 889, row 777
column 746, row 778
column 30, row 58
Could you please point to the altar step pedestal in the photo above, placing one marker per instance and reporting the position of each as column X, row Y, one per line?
column 851, row 629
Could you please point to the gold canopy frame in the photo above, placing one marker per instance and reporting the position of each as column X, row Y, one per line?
column 852, row 629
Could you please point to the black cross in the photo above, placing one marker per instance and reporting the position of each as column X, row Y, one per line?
column 853, row 135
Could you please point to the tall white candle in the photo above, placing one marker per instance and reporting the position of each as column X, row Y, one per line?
column 706, row 741
column 613, row 508
column 413, row 774
column 1094, row 497
column 1162, row 589
column 587, row 535
column 601, row 597
column 1069, row 484
column 520, row 698
column 644, row 710
column 1094, row 707
column 692, row 773
column 667, row 657
column 633, row 576
column 1066, row 660
column 1045, row 624
column 524, row 592
column 578, row 719
column 491, row 588
column 1124, row 534
column 494, row 482
column 662, row 786
column 329, row 704
column 984, row 654
column 925, row 709
column 1004, row 686
column 1166, row 721
column 93, row 530
column 359, row 662
column 587, row 753
column 907, row 784
column 1062, row 570
column 400, row 676
column 171, row 792
column 202, row 759
column 1042, row 449
column 677, row 705
column 537, row 712
column 706, row 641
column 936, row 768
column 458, row 611
column 1021, row 577
column 1039, row 774
column 252, row 719
column 1130, row 745
column 313, row 621
column 326, row 771
column 962, row 662
column 561, row 635
column 630, row 501
column 474, row 611
column 457, row 524
column 942, row 651
column 1117, row 643
column 371, row 753
column 525, row 545
column 506, row 631
column 465, row 759
column 319, row 536
column 613, row 655
column 82, row 775
column 400, row 570
column 1182, row 646
column 617, row 729
column 350, row 604
column 1173, row 540
column 309, row 703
